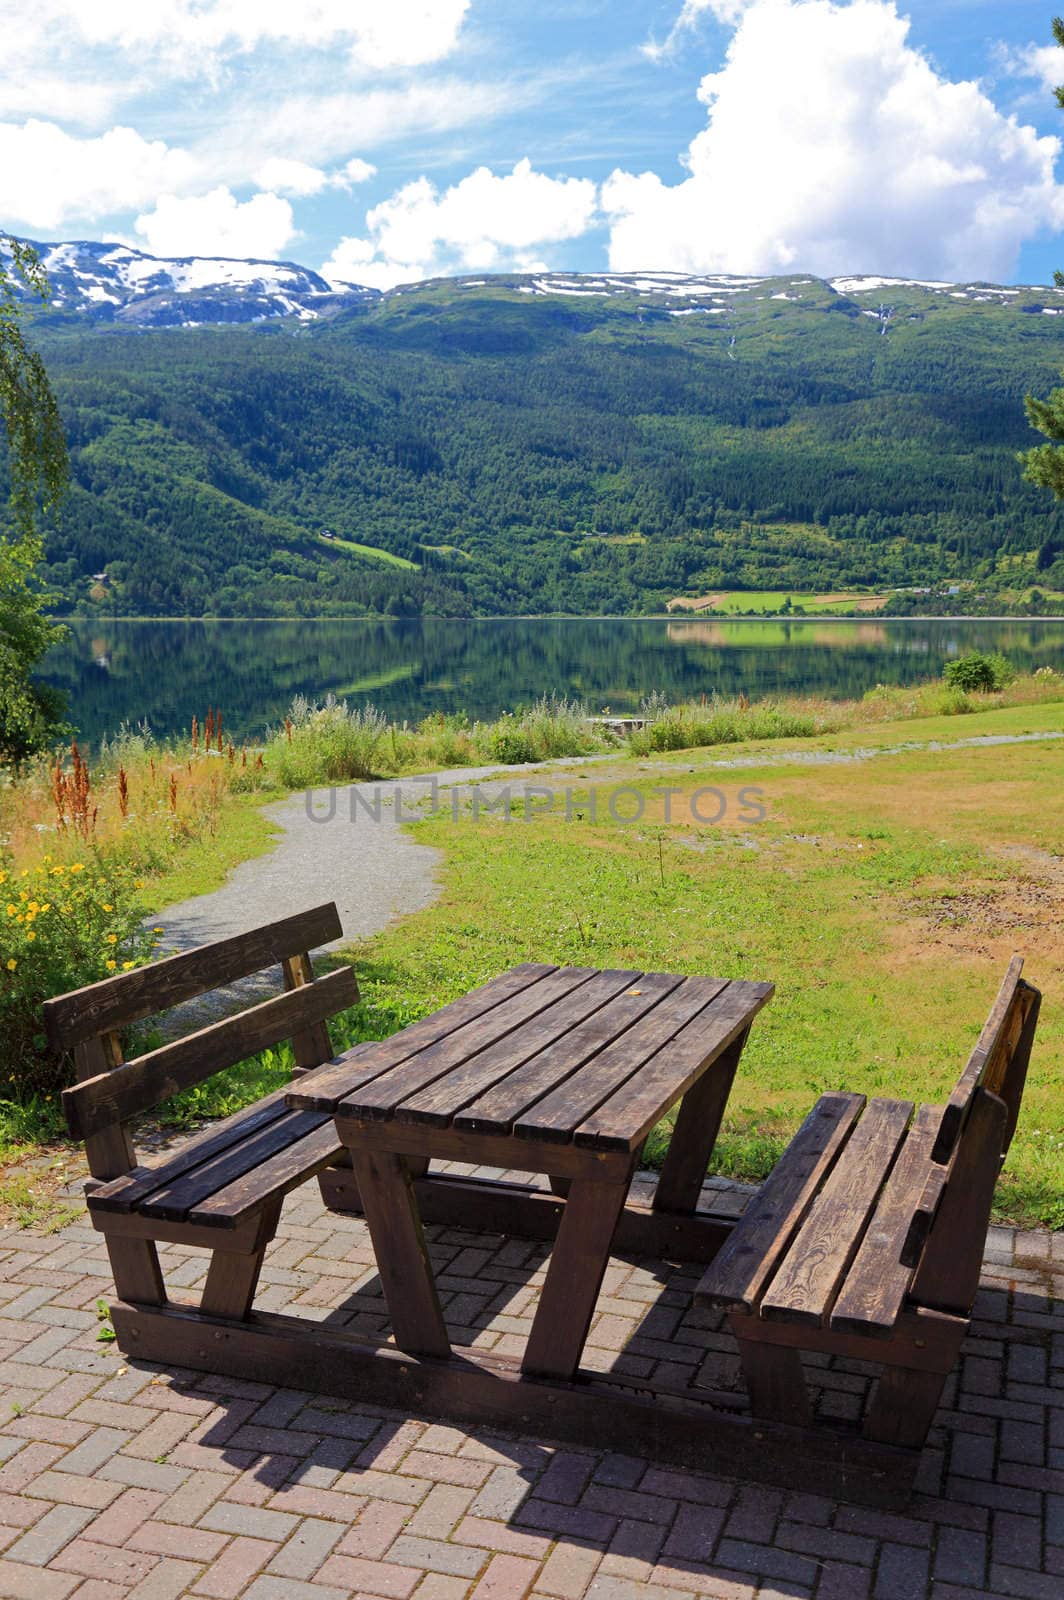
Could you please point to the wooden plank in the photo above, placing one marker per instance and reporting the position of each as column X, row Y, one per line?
column 923, row 1340
column 574, row 1277
column 490, row 1206
column 115, row 1096
column 233, row 1277
column 402, row 1257
column 378, row 1100
column 109, row 1153
column 173, row 1201
column 439, row 1102
column 873, row 1294
column 131, row 996
column 633, row 1108
column 695, row 1133
column 903, row 1407
column 310, row 1046
column 286, row 1170
column 496, row 1110
column 333, row 1084
column 948, row 1274
column 805, row 1283
column 480, row 1149
column 473, row 1389
column 746, row 1263
column 959, row 1102
column 554, row 1118
column 924, row 1216
column 126, row 1193
column 774, row 1381
column 1009, row 1084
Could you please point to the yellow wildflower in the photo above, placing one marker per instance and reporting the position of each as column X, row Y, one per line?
column 78, row 866
column 111, row 965
column 107, row 908
column 34, row 907
column 138, row 883
column 11, row 909
column 31, row 935
column 157, row 930
column 127, row 964
column 112, row 938
column 12, row 964
column 57, row 872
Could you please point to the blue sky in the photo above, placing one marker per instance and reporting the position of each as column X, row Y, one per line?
column 387, row 140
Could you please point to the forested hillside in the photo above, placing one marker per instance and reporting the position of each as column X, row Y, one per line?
column 534, row 445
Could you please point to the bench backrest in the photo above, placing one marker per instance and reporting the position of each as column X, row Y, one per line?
column 111, row 1090
column 948, row 1233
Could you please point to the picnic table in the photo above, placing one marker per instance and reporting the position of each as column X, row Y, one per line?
column 554, row 1070
column 864, row 1244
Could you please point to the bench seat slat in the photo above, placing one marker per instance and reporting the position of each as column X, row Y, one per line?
column 805, row 1284
column 173, row 1201
column 286, row 1170
column 738, row 1274
column 117, row 1095
column 131, row 996
column 871, row 1299
column 125, row 1194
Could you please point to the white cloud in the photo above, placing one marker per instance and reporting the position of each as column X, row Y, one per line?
column 217, row 224
column 189, row 35
column 1044, row 62
column 47, row 177
column 358, row 171
column 484, row 223
column 833, row 145
column 285, row 176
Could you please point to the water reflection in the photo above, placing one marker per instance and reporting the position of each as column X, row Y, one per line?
column 165, row 671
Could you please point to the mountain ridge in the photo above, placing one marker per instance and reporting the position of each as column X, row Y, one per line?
column 115, row 282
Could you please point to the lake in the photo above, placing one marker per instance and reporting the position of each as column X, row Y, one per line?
column 124, row 671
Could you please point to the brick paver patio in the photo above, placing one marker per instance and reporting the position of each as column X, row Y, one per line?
column 118, row 1480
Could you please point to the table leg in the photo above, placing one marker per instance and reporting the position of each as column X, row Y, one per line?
column 695, row 1134
column 574, row 1277
column 394, row 1223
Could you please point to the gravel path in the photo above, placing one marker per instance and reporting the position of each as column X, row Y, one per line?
column 333, row 849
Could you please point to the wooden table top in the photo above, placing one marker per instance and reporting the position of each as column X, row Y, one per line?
column 563, row 1055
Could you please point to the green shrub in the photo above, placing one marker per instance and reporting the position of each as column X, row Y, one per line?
column 549, row 730
column 977, row 672
column 721, row 722
column 60, row 927
column 328, row 743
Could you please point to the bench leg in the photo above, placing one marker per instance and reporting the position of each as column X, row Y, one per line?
column 774, row 1379
column 403, row 1264
column 574, row 1277
column 903, row 1406
column 233, row 1276
column 697, row 1125
column 136, row 1271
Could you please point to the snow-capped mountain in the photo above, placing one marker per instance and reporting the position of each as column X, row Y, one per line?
column 116, row 283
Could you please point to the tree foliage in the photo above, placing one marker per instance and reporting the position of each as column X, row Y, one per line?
column 37, row 473
column 1044, row 464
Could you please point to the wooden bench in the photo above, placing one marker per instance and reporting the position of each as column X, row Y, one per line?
column 223, row 1189
column 867, row 1238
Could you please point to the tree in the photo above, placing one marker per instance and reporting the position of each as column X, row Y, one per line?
column 38, row 471
column 1044, row 464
